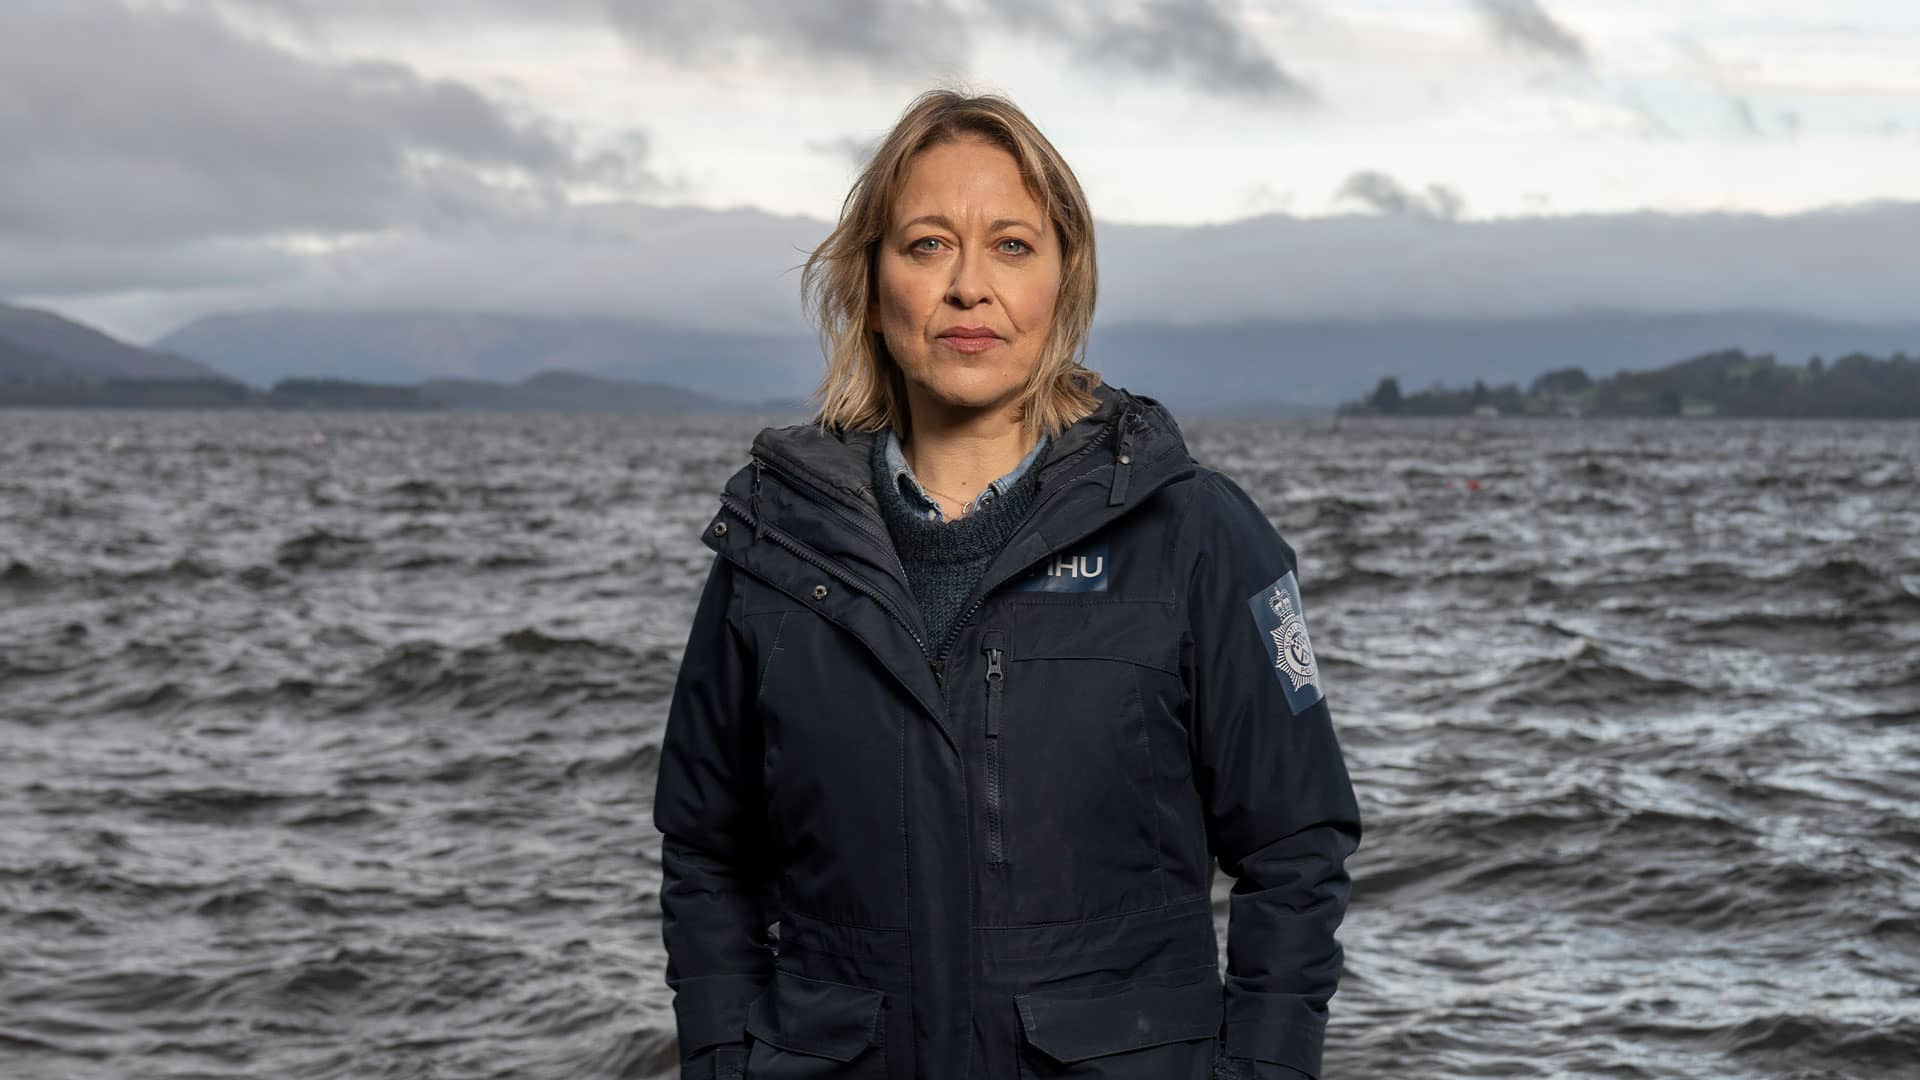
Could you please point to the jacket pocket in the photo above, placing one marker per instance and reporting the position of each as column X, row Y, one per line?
column 1145, row 1029
column 810, row 1029
column 1089, row 748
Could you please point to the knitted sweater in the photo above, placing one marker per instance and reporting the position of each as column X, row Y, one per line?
column 944, row 559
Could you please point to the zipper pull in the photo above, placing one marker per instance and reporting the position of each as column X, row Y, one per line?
column 995, row 675
column 940, row 673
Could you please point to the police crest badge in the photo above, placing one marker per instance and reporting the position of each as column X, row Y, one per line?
column 1281, row 619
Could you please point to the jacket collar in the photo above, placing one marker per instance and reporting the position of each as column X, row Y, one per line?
column 1129, row 440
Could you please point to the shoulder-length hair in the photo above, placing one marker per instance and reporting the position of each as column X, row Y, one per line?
column 863, row 388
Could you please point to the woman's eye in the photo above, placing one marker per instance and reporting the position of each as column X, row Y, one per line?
column 1010, row 246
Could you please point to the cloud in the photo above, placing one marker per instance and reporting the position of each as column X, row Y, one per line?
column 1195, row 40
column 162, row 126
column 852, row 149
column 1387, row 196
column 1842, row 262
column 1525, row 25
column 1744, row 119
column 1198, row 42
column 733, row 270
column 1202, row 43
column 1747, row 122
column 900, row 37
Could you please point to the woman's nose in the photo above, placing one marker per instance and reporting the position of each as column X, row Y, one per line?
column 969, row 284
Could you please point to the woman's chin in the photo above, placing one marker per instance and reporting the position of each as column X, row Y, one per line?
column 965, row 393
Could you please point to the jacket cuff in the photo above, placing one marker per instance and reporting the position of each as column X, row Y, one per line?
column 1274, row 1029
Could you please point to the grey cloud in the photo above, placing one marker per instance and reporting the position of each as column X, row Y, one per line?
column 716, row 270
column 1526, row 25
column 849, row 148
column 1387, row 196
column 1844, row 262
column 1747, row 122
column 1199, row 42
column 1196, row 40
column 162, row 127
column 732, row 270
column 175, row 272
column 315, row 16
column 903, row 37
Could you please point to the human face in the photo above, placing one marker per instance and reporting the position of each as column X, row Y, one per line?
column 967, row 275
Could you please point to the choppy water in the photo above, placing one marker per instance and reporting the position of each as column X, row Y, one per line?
column 326, row 741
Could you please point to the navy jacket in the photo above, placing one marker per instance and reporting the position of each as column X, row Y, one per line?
column 996, row 864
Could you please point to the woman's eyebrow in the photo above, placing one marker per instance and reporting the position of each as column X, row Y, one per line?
column 943, row 221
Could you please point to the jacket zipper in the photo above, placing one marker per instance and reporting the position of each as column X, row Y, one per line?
column 996, row 678
column 996, row 674
column 826, row 566
column 996, row 701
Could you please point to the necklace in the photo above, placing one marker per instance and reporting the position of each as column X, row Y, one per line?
column 965, row 504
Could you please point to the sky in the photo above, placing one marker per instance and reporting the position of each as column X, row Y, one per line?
column 171, row 157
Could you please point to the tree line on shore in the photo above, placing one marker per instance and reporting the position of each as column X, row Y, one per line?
column 1723, row 383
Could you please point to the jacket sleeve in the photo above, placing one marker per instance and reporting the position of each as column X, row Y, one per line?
column 708, row 807
column 1281, row 813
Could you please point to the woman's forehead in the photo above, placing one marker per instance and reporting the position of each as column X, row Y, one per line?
column 976, row 183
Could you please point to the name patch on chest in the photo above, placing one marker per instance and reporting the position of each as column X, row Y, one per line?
column 1083, row 569
column 1282, row 623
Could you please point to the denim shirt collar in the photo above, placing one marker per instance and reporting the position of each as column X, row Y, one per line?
column 917, row 496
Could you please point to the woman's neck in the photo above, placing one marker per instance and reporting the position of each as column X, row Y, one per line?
column 955, row 455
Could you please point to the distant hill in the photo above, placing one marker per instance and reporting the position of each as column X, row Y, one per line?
column 49, row 360
column 1304, row 366
column 1726, row 383
column 571, row 391
column 21, row 364
column 39, row 344
column 556, row 391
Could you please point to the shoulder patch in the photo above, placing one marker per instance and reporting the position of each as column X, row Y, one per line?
column 1282, row 624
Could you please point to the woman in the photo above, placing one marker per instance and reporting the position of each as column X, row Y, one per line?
column 985, row 673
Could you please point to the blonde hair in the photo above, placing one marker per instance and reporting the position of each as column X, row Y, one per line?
column 863, row 388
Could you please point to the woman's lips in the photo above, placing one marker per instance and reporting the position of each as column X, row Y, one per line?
column 969, row 343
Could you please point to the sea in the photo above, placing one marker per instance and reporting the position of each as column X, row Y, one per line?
column 327, row 740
